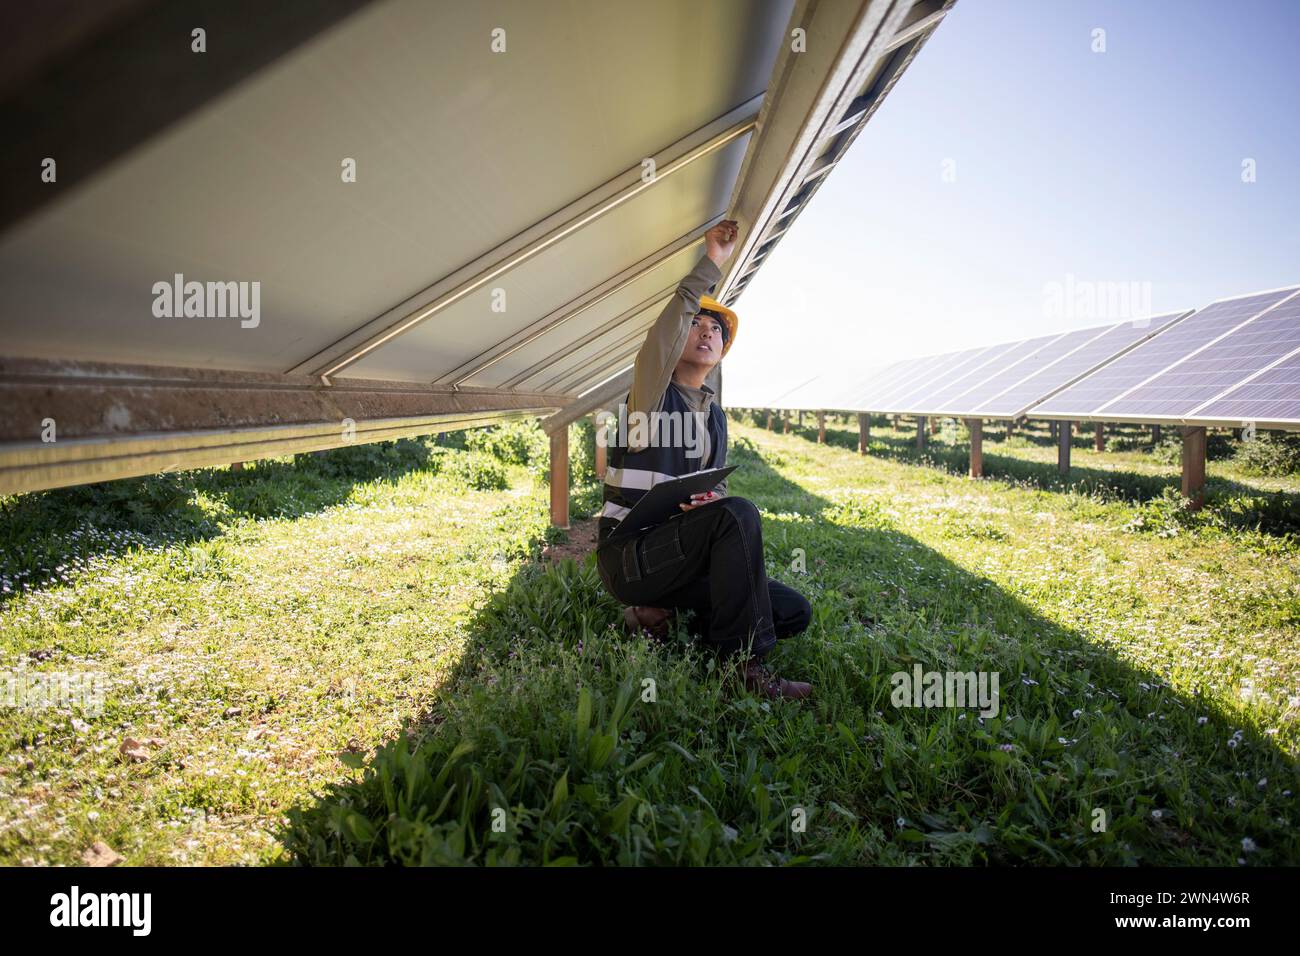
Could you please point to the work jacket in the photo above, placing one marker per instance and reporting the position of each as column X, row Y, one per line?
column 633, row 469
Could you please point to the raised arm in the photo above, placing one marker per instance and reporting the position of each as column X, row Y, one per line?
column 667, row 337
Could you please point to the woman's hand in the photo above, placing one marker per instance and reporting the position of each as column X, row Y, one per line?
column 720, row 241
column 702, row 498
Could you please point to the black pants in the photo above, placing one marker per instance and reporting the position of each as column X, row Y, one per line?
column 709, row 560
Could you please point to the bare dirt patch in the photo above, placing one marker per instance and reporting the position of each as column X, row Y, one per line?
column 580, row 543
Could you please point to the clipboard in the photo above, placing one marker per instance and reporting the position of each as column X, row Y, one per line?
column 659, row 504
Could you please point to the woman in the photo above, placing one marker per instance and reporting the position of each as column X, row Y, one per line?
column 709, row 559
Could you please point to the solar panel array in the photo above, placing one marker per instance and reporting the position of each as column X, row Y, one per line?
column 1235, row 361
column 1203, row 375
column 1034, row 360
column 1000, row 380
column 1273, row 395
column 1097, row 347
column 1142, row 364
column 901, row 376
column 951, row 367
column 948, row 398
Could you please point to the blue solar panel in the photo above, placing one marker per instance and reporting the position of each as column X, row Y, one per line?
column 1105, row 343
column 1155, row 355
column 1050, row 349
column 888, row 378
column 884, row 379
column 1273, row 396
column 958, row 364
column 922, row 371
column 1200, row 377
column 934, row 397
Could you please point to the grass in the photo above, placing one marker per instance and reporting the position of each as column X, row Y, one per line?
column 382, row 673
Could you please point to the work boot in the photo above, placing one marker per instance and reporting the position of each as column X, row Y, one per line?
column 758, row 678
column 652, row 621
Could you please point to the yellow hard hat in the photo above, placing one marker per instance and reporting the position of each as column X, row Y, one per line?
column 725, row 316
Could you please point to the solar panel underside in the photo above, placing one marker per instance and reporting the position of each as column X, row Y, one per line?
column 1104, row 343
column 1177, row 391
column 1273, row 396
column 1154, row 355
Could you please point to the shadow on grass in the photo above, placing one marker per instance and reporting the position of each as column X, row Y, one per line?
column 559, row 740
column 1241, row 506
column 49, row 536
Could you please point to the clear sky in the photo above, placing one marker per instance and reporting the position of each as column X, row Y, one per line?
column 1012, row 162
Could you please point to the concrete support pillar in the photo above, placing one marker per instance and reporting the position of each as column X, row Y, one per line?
column 769, row 419
column 1051, row 428
column 821, row 428
column 800, row 422
column 785, row 423
column 976, row 427
column 1011, row 429
column 920, row 433
column 1155, row 434
column 1194, row 465
column 864, row 432
column 934, row 426
column 1063, row 447
column 560, row 478
column 1099, row 440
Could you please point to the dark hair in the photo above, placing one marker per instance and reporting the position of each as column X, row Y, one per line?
column 726, row 330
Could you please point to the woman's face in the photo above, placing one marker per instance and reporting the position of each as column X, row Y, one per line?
column 704, row 344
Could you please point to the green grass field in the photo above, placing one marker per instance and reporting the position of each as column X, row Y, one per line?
column 357, row 658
